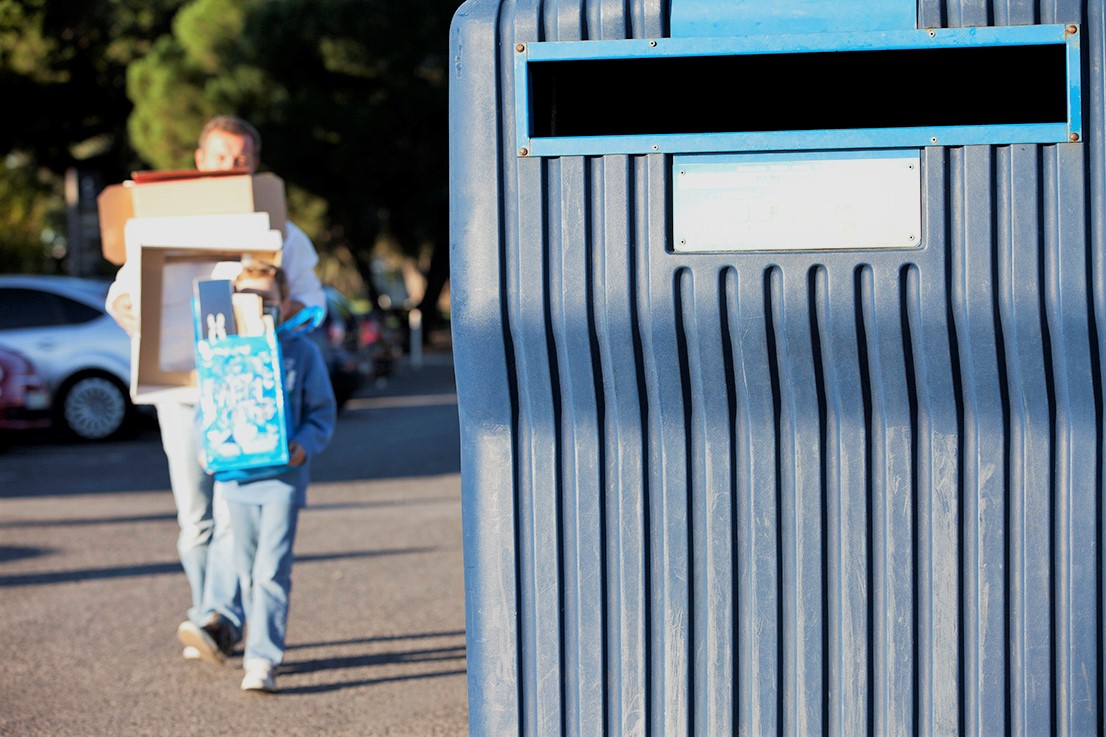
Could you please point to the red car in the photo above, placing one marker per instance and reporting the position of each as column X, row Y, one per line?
column 24, row 398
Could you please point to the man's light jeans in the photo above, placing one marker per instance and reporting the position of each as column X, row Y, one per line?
column 205, row 543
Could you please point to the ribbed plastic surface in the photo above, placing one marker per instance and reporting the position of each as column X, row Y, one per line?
column 853, row 493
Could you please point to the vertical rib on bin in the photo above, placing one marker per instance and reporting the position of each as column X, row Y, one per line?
column 1020, row 304
column 847, row 502
column 756, row 592
column 669, row 625
column 1095, row 151
column 1067, row 313
column 1030, row 404
column 799, row 503
column 892, row 503
column 711, row 458
column 983, row 461
column 581, row 455
column 540, row 483
column 624, row 447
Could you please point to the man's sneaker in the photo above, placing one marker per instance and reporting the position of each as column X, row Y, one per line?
column 259, row 676
column 200, row 640
column 213, row 642
column 221, row 630
column 191, row 653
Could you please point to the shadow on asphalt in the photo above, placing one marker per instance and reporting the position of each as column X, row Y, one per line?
column 429, row 655
column 137, row 519
column 12, row 553
column 170, row 517
column 408, row 657
column 371, row 640
column 45, row 578
column 364, row 683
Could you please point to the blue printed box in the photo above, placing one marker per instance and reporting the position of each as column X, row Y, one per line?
column 241, row 411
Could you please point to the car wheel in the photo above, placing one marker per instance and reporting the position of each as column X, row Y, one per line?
column 95, row 407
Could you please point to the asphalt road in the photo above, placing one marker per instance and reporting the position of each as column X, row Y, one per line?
column 91, row 590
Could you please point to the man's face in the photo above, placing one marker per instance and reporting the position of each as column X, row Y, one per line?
column 223, row 150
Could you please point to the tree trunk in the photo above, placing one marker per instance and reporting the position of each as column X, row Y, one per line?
column 365, row 269
column 436, row 277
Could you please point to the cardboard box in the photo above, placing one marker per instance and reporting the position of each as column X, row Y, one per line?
column 174, row 194
column 170, row 254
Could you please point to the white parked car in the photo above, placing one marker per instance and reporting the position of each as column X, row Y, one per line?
column 59, row 323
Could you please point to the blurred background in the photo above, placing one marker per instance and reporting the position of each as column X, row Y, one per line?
column 350, row 97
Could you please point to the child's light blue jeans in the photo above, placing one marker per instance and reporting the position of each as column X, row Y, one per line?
column 263, row 537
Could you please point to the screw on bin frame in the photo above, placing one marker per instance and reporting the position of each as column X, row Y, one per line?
column 524, row 151
column 520, row 48
column 1073, row 137
column 1072, row 29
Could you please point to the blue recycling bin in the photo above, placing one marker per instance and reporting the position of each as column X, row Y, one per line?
column 778, row 332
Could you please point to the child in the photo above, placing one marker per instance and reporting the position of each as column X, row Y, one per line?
column 263, row 513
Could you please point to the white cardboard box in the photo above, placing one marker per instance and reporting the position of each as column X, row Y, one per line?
column 169, row 254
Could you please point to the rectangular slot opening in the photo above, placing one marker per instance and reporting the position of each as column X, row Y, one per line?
column 743, row 93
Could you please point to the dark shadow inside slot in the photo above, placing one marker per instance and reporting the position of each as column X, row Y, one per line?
column 977, row 86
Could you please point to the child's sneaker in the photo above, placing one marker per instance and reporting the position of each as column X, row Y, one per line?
column 191, row 653
column 259, row 676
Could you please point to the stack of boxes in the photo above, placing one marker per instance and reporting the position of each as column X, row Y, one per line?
column 185, row 234
column 174, row 228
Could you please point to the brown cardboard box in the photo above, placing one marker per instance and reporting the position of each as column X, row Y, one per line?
column 169, row 253
column 185, row 193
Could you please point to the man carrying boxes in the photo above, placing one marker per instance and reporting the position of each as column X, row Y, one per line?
column 151, row 295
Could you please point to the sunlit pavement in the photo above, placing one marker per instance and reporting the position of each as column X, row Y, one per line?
column 91, row 590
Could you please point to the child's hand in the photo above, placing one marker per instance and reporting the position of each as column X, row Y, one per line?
column 296, row 454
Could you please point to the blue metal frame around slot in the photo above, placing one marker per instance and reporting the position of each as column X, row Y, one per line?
column 1072, row 130
column 760, row 17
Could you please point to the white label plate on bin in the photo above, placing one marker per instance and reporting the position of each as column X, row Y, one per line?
column 797, row 202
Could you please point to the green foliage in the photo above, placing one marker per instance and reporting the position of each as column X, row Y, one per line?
column 25, row 50
column 164, row 132
column 64, row 62
column 349, row 95
column 211, row 31
column 31, row 216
